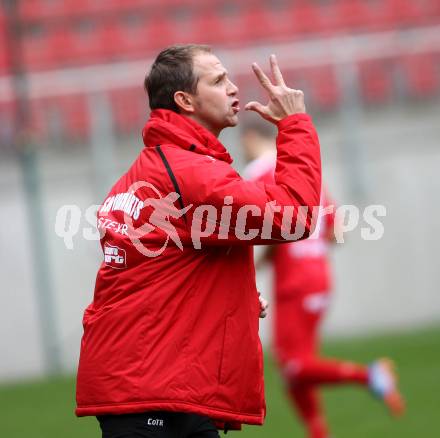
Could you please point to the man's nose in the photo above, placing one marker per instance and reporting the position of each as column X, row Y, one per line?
column 232, row 89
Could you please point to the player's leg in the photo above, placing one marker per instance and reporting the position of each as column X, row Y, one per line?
column 312, row 369
column 300, row 345
column 379, row 377
column 306, row 400
column 320, row 371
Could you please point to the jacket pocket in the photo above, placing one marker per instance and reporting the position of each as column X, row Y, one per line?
column 227, row 351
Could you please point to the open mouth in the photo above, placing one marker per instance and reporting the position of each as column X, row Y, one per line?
column 235, row 105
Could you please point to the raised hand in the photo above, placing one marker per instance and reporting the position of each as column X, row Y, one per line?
column 283, row 101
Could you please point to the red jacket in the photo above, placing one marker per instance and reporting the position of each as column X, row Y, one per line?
column 179, row 331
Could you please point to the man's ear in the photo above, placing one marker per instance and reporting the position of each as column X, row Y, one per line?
column 184, row 101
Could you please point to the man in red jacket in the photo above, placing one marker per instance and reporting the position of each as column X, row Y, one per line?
column 170, row 345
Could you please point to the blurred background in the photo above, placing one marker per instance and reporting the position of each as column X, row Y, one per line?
column 72, row 109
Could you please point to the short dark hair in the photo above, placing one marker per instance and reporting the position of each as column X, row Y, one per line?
column 172, row 71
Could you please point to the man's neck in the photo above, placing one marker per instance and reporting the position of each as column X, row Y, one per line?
column 215, row 132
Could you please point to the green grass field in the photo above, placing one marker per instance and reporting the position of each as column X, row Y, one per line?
column 44, row 409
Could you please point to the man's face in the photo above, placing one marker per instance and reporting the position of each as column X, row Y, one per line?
column 215, row 102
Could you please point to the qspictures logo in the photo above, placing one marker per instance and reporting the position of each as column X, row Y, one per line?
column 158, row 213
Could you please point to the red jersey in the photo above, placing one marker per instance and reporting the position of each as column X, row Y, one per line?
column 299, row 267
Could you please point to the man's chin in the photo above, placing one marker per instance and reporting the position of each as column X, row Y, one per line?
column 230, row 122
column 233, row 120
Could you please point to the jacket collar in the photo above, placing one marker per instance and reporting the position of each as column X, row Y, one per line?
column 168, row 127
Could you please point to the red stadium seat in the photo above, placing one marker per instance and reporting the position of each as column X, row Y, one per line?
column 63, row 47
column 37, row 51
column 34, row 9
column 405, row 12
column 323, row 86
column 376, row 80
column 421, row 74
column 129, row 108
column 133, row 31
column 4, row 56
column 306, row 18
column 121, row 6
column 159, row 33
column 282, row 23
column 74, row 115
column 78, row 123
column 209, row 27
column 257, row 24
column 111, row 40
column 51, row 48
column 354, row 15
column 432, row 9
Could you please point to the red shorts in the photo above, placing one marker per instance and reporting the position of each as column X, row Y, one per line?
column 296, row 324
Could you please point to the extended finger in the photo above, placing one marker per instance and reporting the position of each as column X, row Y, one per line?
column 253, row 106
column 256, row 106
column 264, row 80
column 276, row 72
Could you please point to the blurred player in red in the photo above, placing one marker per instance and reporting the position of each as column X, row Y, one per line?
column 302, row 285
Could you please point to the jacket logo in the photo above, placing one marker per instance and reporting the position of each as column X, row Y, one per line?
column 115, row 257
column 155, row 422
column 162, row 210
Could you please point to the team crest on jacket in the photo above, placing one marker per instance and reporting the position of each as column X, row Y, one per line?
column 163, row 209
column 115, row 257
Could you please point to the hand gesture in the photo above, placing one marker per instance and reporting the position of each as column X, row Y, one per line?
column 263, row 306
column 283, row 101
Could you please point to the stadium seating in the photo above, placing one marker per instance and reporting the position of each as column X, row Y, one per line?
column 422, row 73
column 216, row 22
column 324, row 88
column 376, row 79
column 64, row 33
column 61, row 118
column 4, row 61
column 129, row 110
